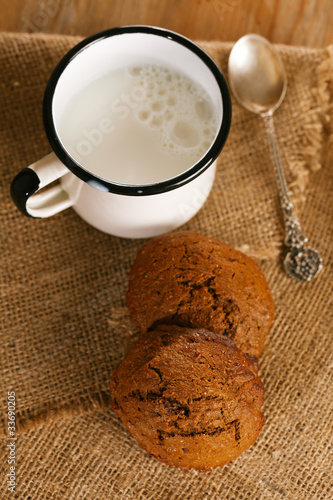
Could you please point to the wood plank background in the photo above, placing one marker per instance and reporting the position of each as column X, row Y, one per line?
column 294, row 22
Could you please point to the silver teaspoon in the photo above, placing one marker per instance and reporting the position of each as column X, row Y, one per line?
column 258, row 80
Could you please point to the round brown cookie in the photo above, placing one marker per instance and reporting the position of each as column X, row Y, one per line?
column 189, row 397
column 193, row 280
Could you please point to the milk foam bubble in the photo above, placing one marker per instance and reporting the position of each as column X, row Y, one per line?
column 139, row 125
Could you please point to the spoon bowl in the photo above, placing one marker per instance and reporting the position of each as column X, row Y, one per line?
column 256, row 74
column 258, row 80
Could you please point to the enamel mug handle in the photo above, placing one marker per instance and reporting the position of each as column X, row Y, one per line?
column 35, row 177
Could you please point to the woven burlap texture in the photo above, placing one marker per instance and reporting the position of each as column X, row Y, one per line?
column 64, row 324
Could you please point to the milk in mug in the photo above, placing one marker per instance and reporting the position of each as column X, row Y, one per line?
column 139, row 124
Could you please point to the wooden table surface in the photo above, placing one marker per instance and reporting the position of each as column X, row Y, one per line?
column 294, row 22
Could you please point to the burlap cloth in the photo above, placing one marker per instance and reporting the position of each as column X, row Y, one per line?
column 64, row 325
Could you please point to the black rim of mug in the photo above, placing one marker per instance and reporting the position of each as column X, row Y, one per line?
column 146, row 189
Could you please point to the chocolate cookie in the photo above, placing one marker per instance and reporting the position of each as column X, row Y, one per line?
column 193, row 280
column 189, row 397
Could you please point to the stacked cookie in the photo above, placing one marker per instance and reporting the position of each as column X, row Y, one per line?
column 188, row 390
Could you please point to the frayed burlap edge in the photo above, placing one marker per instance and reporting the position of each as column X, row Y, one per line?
column 316, row 130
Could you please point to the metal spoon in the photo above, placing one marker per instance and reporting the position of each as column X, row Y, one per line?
column 258, row 80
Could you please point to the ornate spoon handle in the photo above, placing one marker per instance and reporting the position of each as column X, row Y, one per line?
column 294, row 236
column 301, row 263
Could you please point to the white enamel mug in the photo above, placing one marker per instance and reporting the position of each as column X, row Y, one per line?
column 120, row 209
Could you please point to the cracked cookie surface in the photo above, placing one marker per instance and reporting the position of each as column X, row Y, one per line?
column 190, row 279
column 189, row 397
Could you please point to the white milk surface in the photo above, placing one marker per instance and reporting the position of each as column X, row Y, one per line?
column 138, row 125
